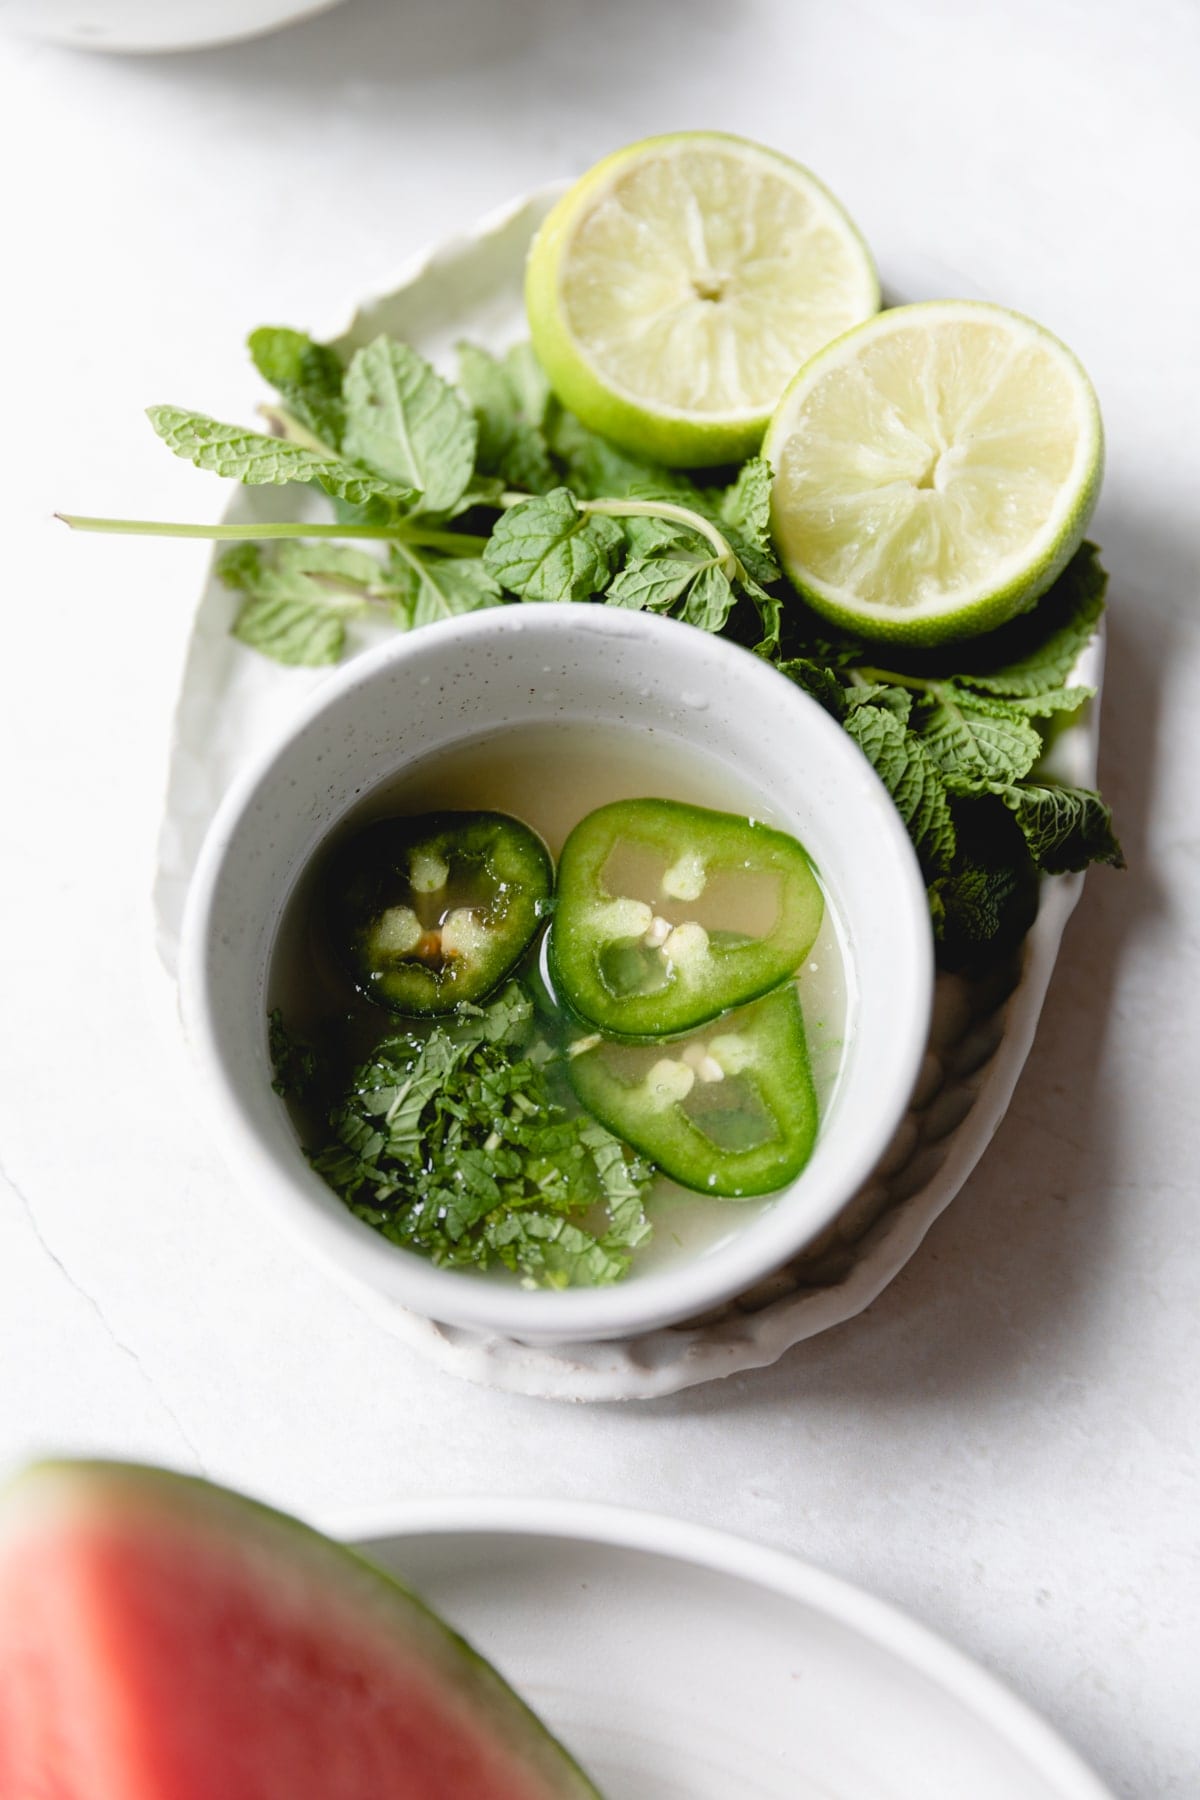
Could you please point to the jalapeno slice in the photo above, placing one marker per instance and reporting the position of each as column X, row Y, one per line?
column 668, row 915
column 430, row 911
column 729, row 1110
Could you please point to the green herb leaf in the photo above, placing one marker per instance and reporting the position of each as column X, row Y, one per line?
column 1036, row 653
column 652, row 584
column 1066, row 828
column 408, row 425
column 258, row 460
column 427, row 587
column 818, row 681
column 983, row 906
column 744, row 513
column 598, row 469
column 510, row 399
column 455, row 1145
column 546, row 549
column 299, row 597
column 307, row 376
column 913, row 780
column 1054, row 700
column 709, row 600
column 977, row 745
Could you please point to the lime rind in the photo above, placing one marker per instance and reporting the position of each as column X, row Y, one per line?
column 1008, row 581
column 697, row 433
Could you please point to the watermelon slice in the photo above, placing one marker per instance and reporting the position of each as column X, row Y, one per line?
column 164, row 1639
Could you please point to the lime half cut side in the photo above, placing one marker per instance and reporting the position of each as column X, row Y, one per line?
column 674, row 291
column 935, row 470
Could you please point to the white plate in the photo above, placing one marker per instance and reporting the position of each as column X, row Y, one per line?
column 678, row 1663
column 233, row 702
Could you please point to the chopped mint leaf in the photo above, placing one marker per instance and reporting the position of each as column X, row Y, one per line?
column 546, row 549
column 408, row 425
column 307, row 377
column 294, row 1063
column 456, row 1145
column 258, row 460
column 1066, row 828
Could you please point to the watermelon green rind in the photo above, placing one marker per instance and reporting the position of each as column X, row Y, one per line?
column 52, row 1496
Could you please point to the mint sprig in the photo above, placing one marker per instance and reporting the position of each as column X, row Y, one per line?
column 490, row 492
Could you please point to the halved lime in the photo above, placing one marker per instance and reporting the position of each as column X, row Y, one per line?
column 676, row 288
column 935, row 470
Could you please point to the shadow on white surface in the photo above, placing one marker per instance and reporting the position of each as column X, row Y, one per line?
column 382, row 43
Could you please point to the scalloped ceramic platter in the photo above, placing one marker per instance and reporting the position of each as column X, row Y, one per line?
column 728, row 1668
column 233, row 703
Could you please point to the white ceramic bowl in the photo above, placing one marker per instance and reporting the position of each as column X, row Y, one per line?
column 152, row 25
column 517, row 665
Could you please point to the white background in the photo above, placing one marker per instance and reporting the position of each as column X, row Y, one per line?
column 1005, row 1444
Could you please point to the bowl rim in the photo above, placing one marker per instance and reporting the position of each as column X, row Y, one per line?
column 356, row 1254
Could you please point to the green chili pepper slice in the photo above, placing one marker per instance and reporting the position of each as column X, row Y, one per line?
column 669, row 915
column 729, row 1111
column 428, row 912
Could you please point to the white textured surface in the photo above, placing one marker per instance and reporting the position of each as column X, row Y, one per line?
column 1005, row 1442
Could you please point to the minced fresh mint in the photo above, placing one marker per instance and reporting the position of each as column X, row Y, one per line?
column 457, row 1144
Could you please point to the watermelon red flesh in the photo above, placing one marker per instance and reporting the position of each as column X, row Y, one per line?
column 149, row 1652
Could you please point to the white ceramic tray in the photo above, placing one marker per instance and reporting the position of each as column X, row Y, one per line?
column 678, row 1663
column 233, row 701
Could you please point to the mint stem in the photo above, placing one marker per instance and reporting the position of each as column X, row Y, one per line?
column 731, row 568
column 451, row 543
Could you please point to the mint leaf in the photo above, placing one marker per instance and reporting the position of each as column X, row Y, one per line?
column 977, row 744
column 744, row 513
column 1054, row 700
column 747, row 504
column 258, row 460
column 709, row 600
column 529, row 382
column 408, row 425
column 986, row 902
column 546, row 549
column 598, row 469
column 649, row 535
column 895, row 700
column 299, row 596
column 306, row 375
column 1066, row 828
column 428, row 587
column 817, row 680
column 510, row 402
column 1036, row 653
column 653, row 584
column 911, row 777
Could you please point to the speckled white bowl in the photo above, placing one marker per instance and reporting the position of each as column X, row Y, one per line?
column 520, row 665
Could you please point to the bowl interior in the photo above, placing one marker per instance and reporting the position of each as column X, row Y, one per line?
column 670, row 690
